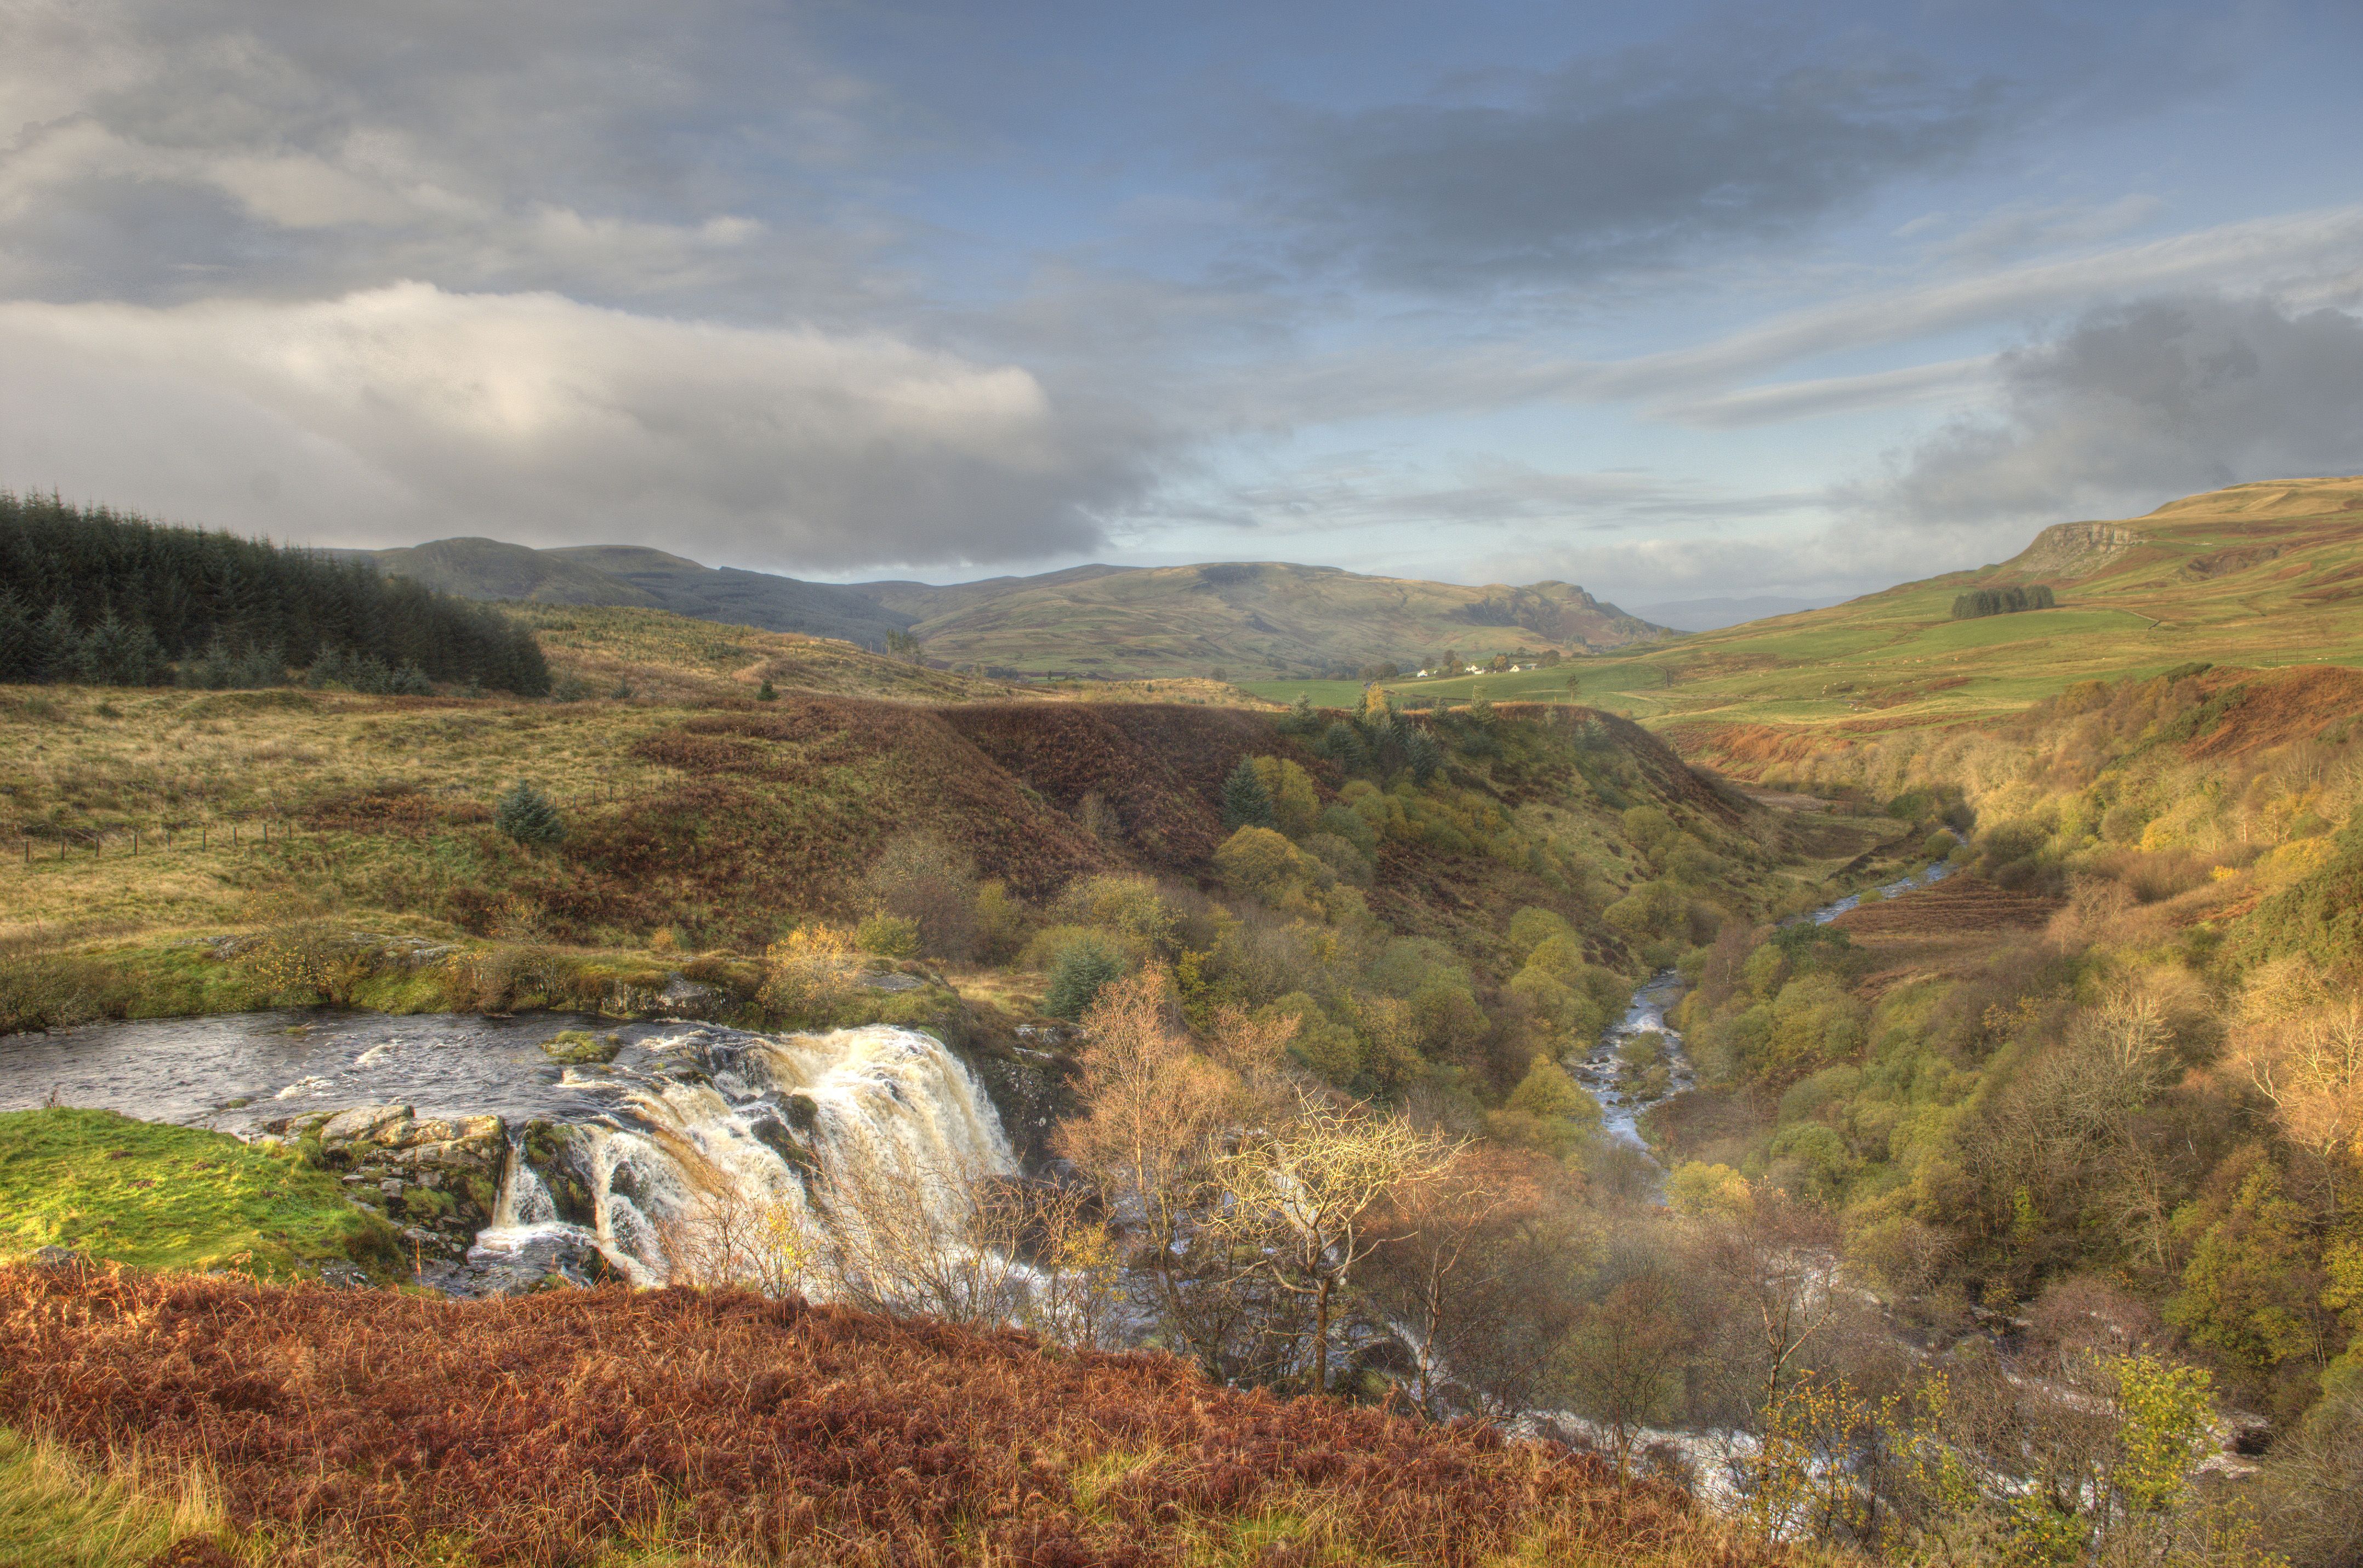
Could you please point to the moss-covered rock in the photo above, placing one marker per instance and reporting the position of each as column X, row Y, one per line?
column 579, row 1048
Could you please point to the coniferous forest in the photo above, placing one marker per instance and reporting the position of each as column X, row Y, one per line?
column 96, row 595
column 2003, row 601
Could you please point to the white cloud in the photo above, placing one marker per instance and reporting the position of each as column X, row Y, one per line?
column 408, row 411
column 1832, row 394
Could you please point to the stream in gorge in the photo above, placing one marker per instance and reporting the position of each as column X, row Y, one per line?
column 515, row 1165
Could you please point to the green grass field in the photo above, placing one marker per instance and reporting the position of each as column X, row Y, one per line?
column 2263, row 576
column 157, row 1196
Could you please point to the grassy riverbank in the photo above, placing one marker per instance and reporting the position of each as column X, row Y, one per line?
column 154, row 1196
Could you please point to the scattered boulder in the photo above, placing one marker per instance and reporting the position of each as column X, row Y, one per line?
column 581, row 1048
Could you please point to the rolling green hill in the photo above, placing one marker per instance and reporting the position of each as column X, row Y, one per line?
column 1258, row 619
column 2261, row 575
column 1098, row 622
column 645, row 579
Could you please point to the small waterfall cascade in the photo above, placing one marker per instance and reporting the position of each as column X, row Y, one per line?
column 524, row 1201
column 723, row 1130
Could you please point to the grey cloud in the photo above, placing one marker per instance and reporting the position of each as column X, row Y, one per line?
column 1629, row 162
column 2311, row 253
column 408, row 413
column 2015, row 230
column 616, row 151
column 1398, row 512
column 2307, row 256
column 2139, row 404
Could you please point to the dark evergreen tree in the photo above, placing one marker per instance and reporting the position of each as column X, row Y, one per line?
column 528, row 816
column 1245, row 802
column 1421, row 753
column 1084, row 968
column 2002, row 601
column 1341, row 743
column 17, row 658
column 124, row 599
column 56, row 646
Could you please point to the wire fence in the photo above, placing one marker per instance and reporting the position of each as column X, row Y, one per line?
column 43, row 844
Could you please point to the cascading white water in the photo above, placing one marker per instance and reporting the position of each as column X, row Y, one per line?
column 525, row 1199
column 887, row 1109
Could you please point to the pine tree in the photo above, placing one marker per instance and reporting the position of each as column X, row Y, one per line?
column 175, row 594
column 528, row 816
column 1422, row 754
column 57, row 645
column 1245, row 802
column 17, row 661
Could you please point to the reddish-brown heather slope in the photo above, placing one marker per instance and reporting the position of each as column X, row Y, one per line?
column 364, row 1425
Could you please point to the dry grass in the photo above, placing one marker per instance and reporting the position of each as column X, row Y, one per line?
column 60, row 1511
column 376, row 1429
column 678, row 659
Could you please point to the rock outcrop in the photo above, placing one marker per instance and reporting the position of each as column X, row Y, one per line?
column 2074, row 549
column 438, row 1178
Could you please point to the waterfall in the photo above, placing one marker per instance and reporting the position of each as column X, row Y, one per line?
column 726, row 1132
column 524, row 1199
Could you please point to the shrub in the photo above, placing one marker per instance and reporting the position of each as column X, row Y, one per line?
column 888, row 936
column 1127, row 904
column 808, row 973
column 528, row 816
column 927, row 882
column 1001, row 923
column 1258, row 862
column 1343, row 821
column 1295, row 803
column 1530, row 927
column 307, row 962
column 1342, row 857
column 1084, row 968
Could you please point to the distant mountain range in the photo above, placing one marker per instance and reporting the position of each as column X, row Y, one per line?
column 1246, row 618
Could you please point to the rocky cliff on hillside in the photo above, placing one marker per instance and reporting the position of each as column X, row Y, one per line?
column 2074, row 549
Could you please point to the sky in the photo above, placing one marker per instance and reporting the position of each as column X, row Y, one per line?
column 1673, row 300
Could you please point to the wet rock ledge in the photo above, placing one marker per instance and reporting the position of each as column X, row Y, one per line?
column 439, row 1180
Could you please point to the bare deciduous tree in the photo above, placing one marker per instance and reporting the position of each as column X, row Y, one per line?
column 1622, row 1365
column 1303, row 1196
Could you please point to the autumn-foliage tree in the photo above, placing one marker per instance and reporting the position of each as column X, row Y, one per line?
column 1304, row 1197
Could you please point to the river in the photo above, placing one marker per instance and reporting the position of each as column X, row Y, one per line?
column 684, row 1111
